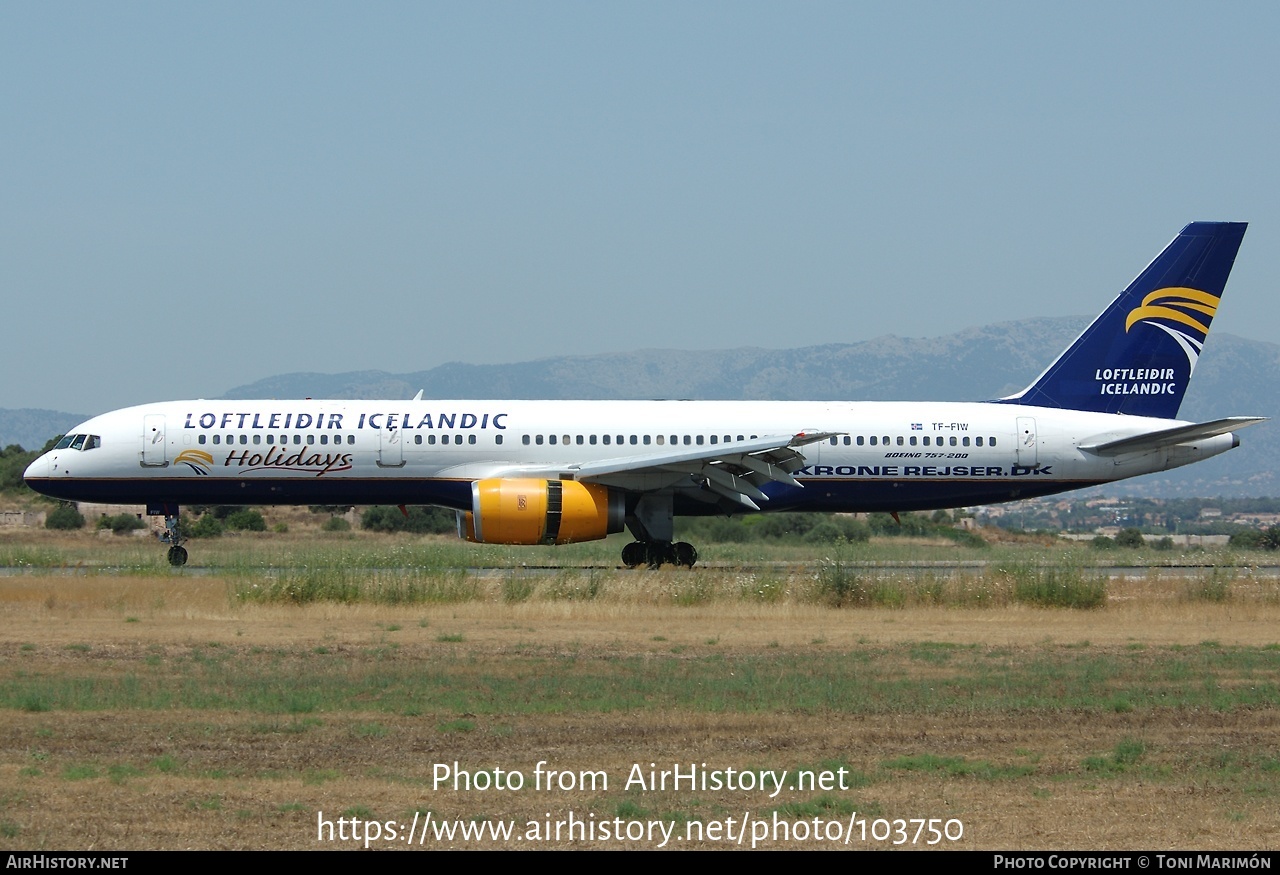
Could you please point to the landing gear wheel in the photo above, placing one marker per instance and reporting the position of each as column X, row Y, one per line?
column 634, row 554
column 177, row 556
column 685, row 554
column 655, row 554
column 661, row 553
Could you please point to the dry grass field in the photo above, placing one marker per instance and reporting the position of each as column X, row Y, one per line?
column 172, row 710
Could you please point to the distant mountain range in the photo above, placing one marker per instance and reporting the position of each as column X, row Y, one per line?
column 1235, row 376
column 31, row 429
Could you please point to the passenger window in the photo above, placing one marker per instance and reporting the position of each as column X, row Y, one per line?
column 551, row 440
column 913, row 440
column 457, row 439
column 965, row 441
column 566, row 440
column 977, row 442
column 606, row 440
column 431, row 440
column 324, row 439
column 953, row 441
column 497, row 439
column 580, row 440
column 417, row 439
column 686, row 440
column 200, row 439
column 991, row 442
column 835, row 441
column 926, row 440
column 471, row 439
column 873, row 440
column 538, row 440
column 217, row 439
column 257, row 438
column 698, row 440
column 899, row 440
column 297, row 439
column 524, row 439
column 660, row 440
column 860, row 441
column 311, row 439
column 713, row 438
column 592, row 440
column 847, row 440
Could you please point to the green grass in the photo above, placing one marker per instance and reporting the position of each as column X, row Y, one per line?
column 1055, row 585
column 256, row 554
column 1213, row 585
column 1126, row 754
column 867, row 679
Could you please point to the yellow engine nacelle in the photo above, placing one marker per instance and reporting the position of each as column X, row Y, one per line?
column 540, row 512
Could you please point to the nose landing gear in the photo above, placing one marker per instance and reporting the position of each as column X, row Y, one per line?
column 171, row 535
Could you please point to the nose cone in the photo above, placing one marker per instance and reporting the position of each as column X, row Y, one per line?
column 37, row 471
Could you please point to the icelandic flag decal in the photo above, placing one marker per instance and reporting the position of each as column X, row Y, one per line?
column 917, row 426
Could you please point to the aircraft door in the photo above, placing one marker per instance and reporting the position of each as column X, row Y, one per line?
column 390, row 448
column 154, row 445
column 1028, row 443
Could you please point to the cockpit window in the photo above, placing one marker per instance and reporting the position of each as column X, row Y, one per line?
column 79, row 442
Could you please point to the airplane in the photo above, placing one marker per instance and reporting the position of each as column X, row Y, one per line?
column 558, row 472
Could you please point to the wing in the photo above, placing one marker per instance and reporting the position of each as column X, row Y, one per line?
column 732, row 471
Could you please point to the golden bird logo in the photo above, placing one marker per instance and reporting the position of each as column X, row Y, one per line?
column 1184, row 314
column 198, row 460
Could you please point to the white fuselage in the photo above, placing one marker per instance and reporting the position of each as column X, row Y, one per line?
column 884, row 456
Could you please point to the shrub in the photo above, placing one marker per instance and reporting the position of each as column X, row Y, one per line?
column 208, row 526
column 246, row 521
column 1249, row 539
column 420, row 520
column 1131, row 538
column 64, row 517
column 336, row 524
column 121, row 523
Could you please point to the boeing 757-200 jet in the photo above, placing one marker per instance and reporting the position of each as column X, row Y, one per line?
column 556, row 472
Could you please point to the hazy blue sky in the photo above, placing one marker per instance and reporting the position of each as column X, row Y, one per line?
column 195, row 196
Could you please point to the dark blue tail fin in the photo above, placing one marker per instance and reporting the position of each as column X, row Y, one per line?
column 1137, row 357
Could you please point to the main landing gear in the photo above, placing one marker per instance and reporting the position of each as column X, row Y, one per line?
column 659, row 553
column 652, row 522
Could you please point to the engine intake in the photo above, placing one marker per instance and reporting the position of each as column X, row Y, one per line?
column 540, row 512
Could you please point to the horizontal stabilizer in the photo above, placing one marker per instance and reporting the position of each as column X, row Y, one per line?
column 1182, row 434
